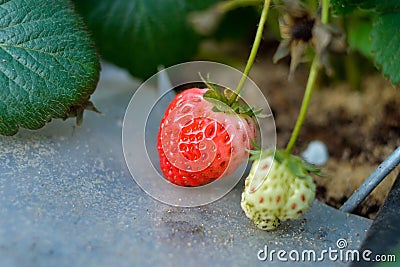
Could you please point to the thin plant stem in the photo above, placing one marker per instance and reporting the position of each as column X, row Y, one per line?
column 325, row 11
column 304, row 105
column 309, row 88
column 253, row 51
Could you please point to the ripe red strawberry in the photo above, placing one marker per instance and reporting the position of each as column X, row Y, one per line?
column 197, row 144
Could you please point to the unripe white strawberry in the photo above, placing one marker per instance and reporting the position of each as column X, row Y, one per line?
column 287, row 191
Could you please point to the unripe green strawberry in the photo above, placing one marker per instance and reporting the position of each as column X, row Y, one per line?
column 286, row 192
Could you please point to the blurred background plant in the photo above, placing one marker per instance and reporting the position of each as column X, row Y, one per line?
column 44, row 39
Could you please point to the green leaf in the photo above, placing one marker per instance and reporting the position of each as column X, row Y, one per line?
column 346, row 6
column 48, row 67
column 385, row 37
column 359, row 36
column 140, row 35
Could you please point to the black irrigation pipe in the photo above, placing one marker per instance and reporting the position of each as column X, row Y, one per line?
column 383, row 237
column 372, row 181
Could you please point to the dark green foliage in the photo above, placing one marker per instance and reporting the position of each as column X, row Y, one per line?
column 48, row 65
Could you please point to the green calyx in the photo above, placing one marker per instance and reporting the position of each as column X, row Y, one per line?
column 297, row 166
column 256, row 153
column 221, row 101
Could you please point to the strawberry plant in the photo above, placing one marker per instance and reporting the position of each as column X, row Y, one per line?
column 196, row 116
column 49, row 67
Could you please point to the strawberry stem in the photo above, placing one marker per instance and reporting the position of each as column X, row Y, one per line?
column 304, row 105
column 309, row 88
column 253, row 51
column 325, row 11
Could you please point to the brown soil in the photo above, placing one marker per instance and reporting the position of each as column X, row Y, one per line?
column 360, row 128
